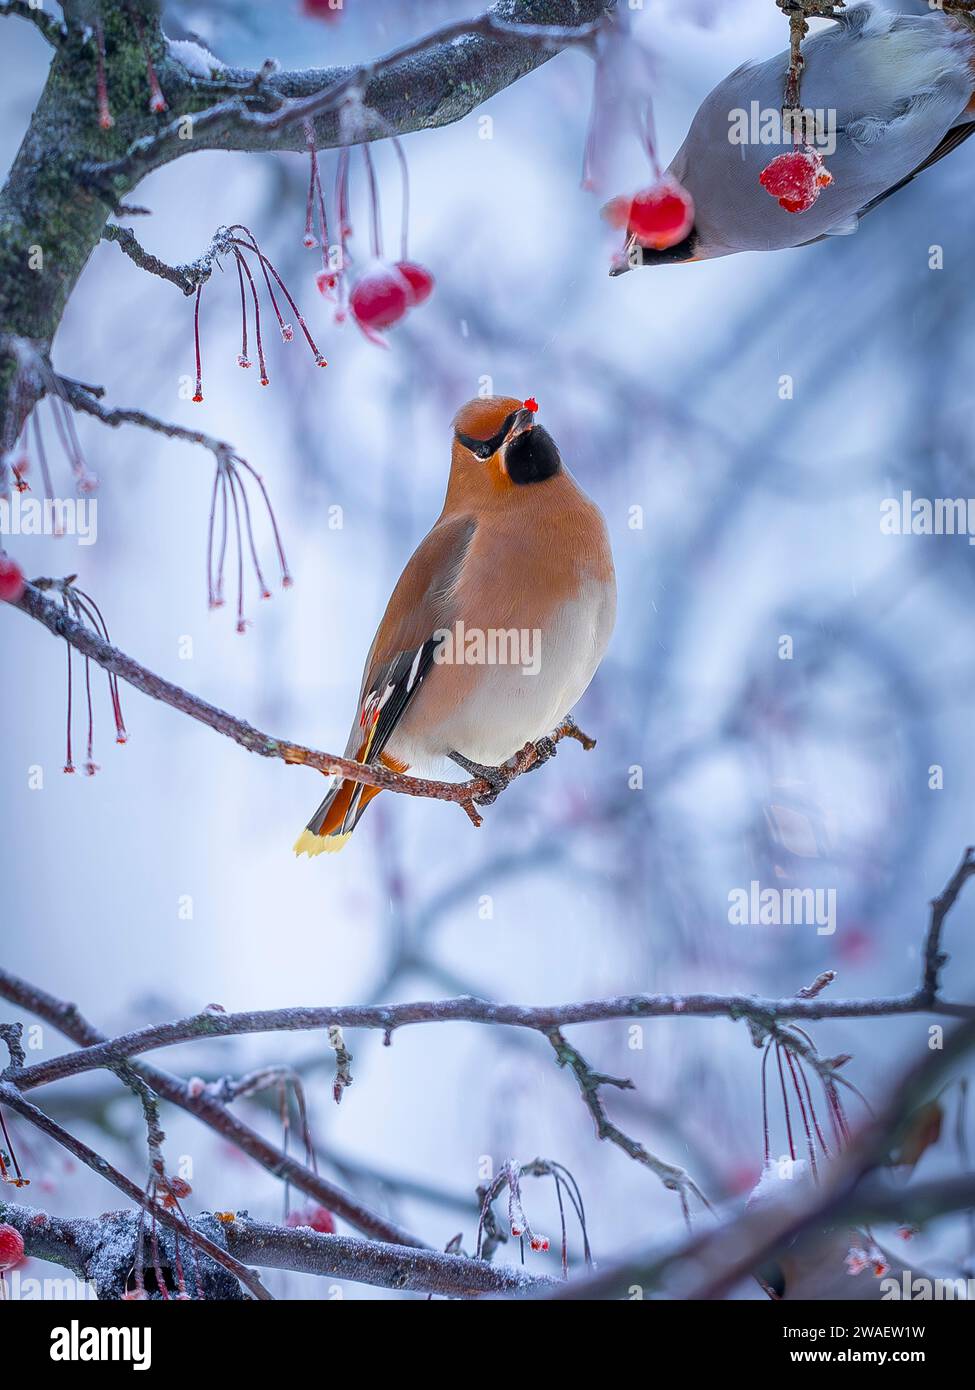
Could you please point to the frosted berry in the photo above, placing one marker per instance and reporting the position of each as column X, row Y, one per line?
column 318, row 1218
column 380, row 297
column 329, row 10
column 11, row 579
column 11, row 1247
column 419, row 280
column 796, row 179
column 659, row 216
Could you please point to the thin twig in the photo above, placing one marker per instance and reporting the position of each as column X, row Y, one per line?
column 934, row 958
column 186, row 277
column 52, row 29
column 590, row 1083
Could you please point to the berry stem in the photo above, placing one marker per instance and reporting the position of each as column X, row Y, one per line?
column 198, row 393
column 233, row 482
column 404, row 244
column 266, row 266
column 243, row 360
column 785, row 1102
column 374, row 213
column 69, row 761
column 42, row 456
column 242, row 263
column 286, row 579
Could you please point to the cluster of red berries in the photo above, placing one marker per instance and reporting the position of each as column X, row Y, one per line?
column 796, row 179
column 537, row 1242
column 317, row 1217
column 384, row 293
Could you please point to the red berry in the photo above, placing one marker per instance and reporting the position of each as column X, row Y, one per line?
column 659, row 216
column 11, row 1247
column 329, row 10
column 419, row 279
column 318, row 1218
column 796, row 179
column 11, row 579
column 531, row 404
column 380, row 297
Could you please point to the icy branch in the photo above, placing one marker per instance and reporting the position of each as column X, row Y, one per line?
column 430, row 81
column 101, row 1251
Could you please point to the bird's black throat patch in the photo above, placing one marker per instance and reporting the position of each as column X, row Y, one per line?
column 532, row 456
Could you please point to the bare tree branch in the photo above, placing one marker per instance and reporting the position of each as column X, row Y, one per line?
column 590, row 1084
column 184, row 277
column 388, row 1017
column 82, row 398
column 934, row 958
column 61, row 624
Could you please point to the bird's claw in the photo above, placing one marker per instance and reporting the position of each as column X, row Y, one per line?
column 545, row 748
column 497, row 777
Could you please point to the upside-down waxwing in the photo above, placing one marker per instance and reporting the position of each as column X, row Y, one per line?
column 496, row 626
column 896, row 90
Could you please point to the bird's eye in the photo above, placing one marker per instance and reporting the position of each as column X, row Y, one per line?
column 484, row 448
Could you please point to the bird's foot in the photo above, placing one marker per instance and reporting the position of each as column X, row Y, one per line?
column 497, row 777
column 545, row 748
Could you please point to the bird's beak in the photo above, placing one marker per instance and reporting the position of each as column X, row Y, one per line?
column 524, row 419
column 684, row 253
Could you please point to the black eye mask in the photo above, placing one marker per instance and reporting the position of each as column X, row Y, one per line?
column 532, row 457
column 484, row 448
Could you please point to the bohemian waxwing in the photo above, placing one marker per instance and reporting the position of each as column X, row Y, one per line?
column 496, row 626
column 898, row 92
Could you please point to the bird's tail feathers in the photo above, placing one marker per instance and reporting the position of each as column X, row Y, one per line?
column 341, row 810
column 336, row 818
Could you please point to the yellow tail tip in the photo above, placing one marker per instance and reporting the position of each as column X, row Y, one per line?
column 311, row 844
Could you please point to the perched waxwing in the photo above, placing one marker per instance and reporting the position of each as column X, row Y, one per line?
column 496, row 626
column 894, row 90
